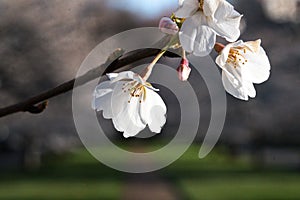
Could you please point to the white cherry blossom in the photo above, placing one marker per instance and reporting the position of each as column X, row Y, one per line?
column 204, row 20
column 131, row 103
column 243, row 64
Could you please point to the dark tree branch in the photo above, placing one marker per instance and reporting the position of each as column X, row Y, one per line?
column 38, row 103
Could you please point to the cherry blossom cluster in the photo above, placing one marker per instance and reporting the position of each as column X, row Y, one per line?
column 132, row 103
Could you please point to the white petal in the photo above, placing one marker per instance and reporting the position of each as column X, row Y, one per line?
column 187, row 8
column 102, row 99
column 129, row 120
column 188, row 34
column 223, row 9
column 264, row 59
column 222, row 58
column 153, row 111
column 151, row 88
column 180, row 2
column 126, row 117
column 236, row 73
column 237, row 85
column 210, row 7
column 119, row 98
column 196, row 37
column 253, row 46
column 257, row 70
column 232, row 88
column 205, row 41
column 102, row 89
column 126, row 75
column 226, row 21
column 112, row 76
column 238, row 43
column 249, row 89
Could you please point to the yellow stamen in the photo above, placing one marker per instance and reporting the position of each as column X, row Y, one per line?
column 237, row 56
column 201, row 4
column 138, row 91
column 144, row 93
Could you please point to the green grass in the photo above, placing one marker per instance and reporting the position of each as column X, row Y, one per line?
column 76, row 176
column 243, row 187
column 59, row 189
column 217, row 177
column 220, row 177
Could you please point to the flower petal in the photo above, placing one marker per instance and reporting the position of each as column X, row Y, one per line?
column 153, row 111
column 112, row 76
column 253, row 46
column 205, row 41
column 236, row 85
column 126, row 75
column 126, row 117
column 232, row 88
column 210, row 7
column 223, row 56
column 257, row 70
column 249, row 88
column 187, row 8
column 188, row 34
column 102, row 99
column 226, row 21
column 180, row 2
column 195, row 37
column 149, row 86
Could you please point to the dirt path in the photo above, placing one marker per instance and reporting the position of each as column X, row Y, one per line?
column 149, row 187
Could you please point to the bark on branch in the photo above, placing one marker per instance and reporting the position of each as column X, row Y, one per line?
column 38, row 103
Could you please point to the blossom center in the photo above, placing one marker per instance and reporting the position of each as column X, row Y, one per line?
column 135, row 90
column 236, row 56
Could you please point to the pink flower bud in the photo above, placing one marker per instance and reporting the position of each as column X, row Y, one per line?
column 184, row 70
column 168, row 26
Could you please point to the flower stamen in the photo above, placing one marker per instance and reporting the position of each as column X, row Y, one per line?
column 201, row 4
column 136, row 90
column 237, row 56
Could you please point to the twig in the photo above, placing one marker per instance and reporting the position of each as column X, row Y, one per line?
column 38, row 103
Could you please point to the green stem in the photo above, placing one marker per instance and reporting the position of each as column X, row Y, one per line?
column 148, row 70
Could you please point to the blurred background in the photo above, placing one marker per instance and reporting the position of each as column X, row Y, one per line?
column 42, row 44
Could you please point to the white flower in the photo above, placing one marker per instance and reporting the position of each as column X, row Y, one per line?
column 205, row 19
column 131, row 103
column 243, row 64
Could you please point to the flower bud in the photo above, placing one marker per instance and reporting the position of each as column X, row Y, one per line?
column 184, row 70
column 168, row 26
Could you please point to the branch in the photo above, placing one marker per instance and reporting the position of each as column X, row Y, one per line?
column 38, row 103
